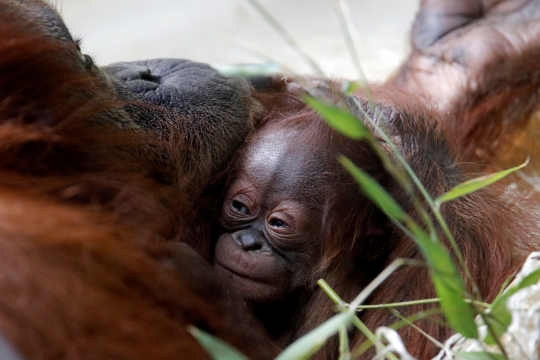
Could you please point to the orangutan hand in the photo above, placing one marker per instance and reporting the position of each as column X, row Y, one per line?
column 459, row 46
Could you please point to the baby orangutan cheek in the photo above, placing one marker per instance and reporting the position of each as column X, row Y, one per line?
column 257, row 275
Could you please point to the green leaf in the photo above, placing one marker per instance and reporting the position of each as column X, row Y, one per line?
column 350, row 87
column 308, row 344
column 267, row 68
column 448, row 282
column 479, row 355
column 342, row 121
column 375, row 191
column 217, row 349
column 473, row 185
column 499, row 318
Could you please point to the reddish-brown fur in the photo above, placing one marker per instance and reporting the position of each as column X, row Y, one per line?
column 470, row 89
column 87, row 269
column 90, row 264
column 494, row 230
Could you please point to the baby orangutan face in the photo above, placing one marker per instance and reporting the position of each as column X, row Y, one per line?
column 272, row 217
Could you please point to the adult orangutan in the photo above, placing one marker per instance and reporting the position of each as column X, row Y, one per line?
column 97, row 180
column 292, row 214
column 99, row 171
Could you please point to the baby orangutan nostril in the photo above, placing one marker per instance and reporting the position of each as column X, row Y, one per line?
column 251, row 240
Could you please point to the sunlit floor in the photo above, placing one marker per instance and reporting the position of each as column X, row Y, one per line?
column 232, row 31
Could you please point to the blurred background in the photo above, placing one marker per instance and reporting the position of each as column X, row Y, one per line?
column 233, row 32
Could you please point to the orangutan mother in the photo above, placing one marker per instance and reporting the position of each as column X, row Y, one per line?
column 97, row 181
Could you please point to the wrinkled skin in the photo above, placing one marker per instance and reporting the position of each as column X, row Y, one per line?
column 269, row 250
column 209, row 105
column 455, row 43
column 283, row 211
column 477, row 61
column 272, row 232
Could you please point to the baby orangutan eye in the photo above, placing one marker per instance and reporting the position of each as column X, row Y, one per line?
column 238, row 206
column 275, row 222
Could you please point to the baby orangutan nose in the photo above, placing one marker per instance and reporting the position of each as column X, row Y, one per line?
column 251, row 240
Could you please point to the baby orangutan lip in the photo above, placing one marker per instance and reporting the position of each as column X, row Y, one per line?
column 253, row 288
column 256, row 275
column 219, row 265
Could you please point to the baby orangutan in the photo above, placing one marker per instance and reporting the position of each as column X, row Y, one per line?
column 280, row 211
column 293, row 215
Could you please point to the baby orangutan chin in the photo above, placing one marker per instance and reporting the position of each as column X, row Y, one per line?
column 293, row 215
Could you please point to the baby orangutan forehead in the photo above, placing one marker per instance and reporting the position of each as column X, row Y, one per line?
column 266, row 153
column 278, row 160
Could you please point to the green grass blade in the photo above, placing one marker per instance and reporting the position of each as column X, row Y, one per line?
column 342, row 121
column 217, row 349
column 499, row 317
column 267, row 68
column 350, row 87
column 479, row 355
column 448, row 283
column 476, row 184
column 375, row 191
column 308, row 344
column 285, row 35
column 344, row 346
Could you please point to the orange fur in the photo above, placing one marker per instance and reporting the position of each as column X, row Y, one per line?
column 495, row 228
column 90, row 264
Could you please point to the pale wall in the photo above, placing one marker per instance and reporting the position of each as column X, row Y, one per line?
column 231, row 31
